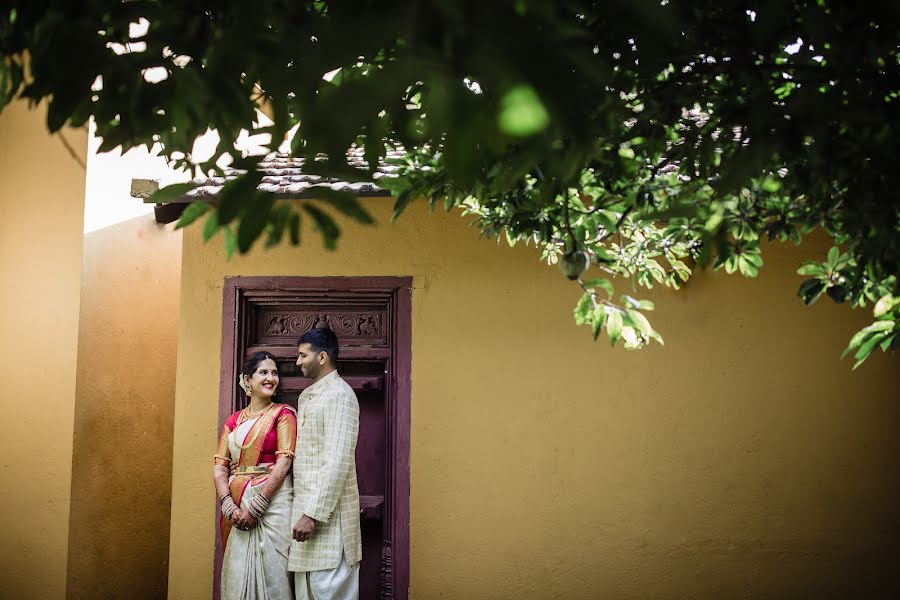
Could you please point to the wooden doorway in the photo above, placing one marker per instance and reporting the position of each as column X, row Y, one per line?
column 372, row 318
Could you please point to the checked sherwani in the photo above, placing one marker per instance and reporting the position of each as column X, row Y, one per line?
column 325, row 475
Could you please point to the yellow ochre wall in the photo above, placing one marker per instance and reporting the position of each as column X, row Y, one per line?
column 41, row 214
column 743, row 459
column 122, row 468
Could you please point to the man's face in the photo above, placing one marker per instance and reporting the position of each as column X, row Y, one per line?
column 308, row 360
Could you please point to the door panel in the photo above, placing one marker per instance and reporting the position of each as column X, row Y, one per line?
column 367, row 314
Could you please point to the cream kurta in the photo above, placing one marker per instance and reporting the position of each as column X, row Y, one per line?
column 325, row 475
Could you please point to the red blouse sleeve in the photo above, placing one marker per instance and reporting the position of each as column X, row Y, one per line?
column 223, row 451
column 286, row 428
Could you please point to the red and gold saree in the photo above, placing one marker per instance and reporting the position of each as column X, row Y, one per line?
column 255, row 562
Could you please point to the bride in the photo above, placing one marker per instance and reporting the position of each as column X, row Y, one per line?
column 257, row 444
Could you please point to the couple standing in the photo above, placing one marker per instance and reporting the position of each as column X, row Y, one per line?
column 286, row 482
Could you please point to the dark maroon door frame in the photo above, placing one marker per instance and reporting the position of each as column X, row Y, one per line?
column 372, row 317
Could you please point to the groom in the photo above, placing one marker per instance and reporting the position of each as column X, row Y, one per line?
column 327, row 543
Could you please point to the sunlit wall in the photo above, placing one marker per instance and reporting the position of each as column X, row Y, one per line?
column 743, row 459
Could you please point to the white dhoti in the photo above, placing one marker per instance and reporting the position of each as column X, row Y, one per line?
column 341, row 583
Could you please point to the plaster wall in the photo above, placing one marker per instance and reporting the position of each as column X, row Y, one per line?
column 41, row 212
column 743, row 459
column 121, row 474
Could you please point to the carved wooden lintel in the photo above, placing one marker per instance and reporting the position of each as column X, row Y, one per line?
column 352, row 328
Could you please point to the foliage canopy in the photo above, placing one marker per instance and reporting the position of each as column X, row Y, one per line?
column 636, row 138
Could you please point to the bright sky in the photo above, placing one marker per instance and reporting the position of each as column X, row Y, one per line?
column 108, row 187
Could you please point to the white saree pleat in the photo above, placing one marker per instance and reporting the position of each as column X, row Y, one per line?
column 255, row 563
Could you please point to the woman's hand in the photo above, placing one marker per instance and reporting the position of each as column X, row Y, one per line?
column 243, row 520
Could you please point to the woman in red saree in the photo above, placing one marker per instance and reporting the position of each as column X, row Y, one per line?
column 257, row 444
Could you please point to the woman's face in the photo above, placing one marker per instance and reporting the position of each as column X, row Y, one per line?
column 264, row 380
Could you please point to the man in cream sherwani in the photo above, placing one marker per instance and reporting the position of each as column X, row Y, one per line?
column 327, row 546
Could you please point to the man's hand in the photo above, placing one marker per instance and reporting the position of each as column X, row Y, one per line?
column 304, row 528
column 243, row 520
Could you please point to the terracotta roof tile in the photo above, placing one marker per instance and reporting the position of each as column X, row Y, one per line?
column 283, row 175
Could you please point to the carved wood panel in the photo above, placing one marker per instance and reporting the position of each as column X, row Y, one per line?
column 283, row 325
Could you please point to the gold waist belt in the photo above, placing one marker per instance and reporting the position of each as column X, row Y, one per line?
column 245, row 470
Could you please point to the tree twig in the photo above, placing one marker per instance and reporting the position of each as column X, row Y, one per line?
column 568, row 222
column 71, row 151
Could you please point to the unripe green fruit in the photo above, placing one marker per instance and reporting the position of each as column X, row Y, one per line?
column 574, row 263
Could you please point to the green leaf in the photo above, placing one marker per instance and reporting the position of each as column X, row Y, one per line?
column 884, row 305
column 601, row 255
column 614, row 326
column 855, row 341
column 211, row 227
column 737, row 172
column 345, row 202
column 714, row 221
column 62, row 105
column 770, row 184
column 194, row 211
column 230, row 242
column 608, row 219
column 582, row 309
column 604, row 284
column 811, row 290
column 866, row 349
column 833, row 256
column 374, row 147
column 400, row 204
column 879, row 326
column 746, row 267
column 731, row 264
column 640, row 322
column 278, row 221
column 522, row 113
column 171, row 193
column 294, row 224
column 754, row 259
column 238, row 196
column 630, row 336
column 254, row 221
column 598, row 316
column 646, row 305
column 325, row 225
column 811, row 270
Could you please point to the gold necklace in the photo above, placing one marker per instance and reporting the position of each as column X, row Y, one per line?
column 256, row 433
column 310, row 401
column 247, row 414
